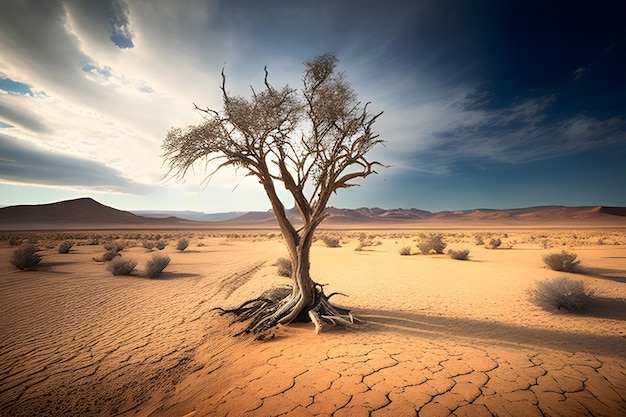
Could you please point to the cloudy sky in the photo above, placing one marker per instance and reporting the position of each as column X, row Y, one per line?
column 495, row 104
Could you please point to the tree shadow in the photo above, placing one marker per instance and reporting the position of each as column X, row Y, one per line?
column 617, row 275
column 489, row 332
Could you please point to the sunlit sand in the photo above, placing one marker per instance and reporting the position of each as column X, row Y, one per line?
column 439, row 336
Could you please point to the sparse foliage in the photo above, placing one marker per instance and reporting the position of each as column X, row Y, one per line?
column 432, row 244
column 182, row 244
column 148, row 245
column 65, row 247
column 156, row 265
column 26, row 257
column 460, row 255
column 284, row 267
column 314, row 141
column 494, row 243
column 121, row 266
column 160, row 244
column 405, row 250
column 564, row 261
column 331, row 241
column 560, row 292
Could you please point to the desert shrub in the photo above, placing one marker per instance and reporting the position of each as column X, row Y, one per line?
column 433, row 243
column 160, row 244
column 560, row 292
column 110, row 255
column 15, row 241
column 564, row 261
column 494, row 243
column 182, row 244
column 121, row 266
column 284, row 267
column 156, row 265
column 460, row 255
column 330, row 242
column 115, row 246
column 405, row 250
column 26, row 257
column 479, row 240
column 65, row 247
column 148, row 244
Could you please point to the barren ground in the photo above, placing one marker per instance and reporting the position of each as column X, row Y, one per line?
column 441, row 337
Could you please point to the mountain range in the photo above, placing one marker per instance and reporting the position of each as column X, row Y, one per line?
column 86, row 213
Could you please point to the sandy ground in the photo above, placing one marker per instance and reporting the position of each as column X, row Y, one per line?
column 441, row 337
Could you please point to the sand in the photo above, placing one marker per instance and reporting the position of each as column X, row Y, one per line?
column 441, row 337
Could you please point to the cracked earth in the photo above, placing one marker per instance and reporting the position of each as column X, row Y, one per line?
column 77, row 341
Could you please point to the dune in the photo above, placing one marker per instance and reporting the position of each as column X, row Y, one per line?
column 438, row 336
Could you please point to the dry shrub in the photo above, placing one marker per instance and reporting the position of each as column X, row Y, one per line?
column 431, row 244
column 560, row 292
column 405, row 250
column 564, row 261
column 330, row 242
column 160, row 244
column 156, row 265
column 115, row 246
column 460, row 255
column 182, row 244
column 284, row 267
column 148, row 245
column 121, row 266
column 494, row 243
column 26, row 257
column 65, row 247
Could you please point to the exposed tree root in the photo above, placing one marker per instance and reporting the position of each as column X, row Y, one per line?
column 275, row 306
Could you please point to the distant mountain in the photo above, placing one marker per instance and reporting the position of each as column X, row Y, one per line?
column 86, row 213
column 197, row 216
column 75, row 214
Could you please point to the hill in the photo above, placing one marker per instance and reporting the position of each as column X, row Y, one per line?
column 86, row 213
column 80, row 213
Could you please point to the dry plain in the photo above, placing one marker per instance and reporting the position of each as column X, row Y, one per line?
column 439, row 336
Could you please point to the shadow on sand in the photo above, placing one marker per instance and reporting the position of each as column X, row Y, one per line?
column 491, row 332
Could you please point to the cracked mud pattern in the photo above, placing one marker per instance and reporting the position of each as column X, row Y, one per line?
column 76, row 341
column 386, row 374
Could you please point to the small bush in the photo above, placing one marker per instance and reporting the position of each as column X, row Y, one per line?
column 460, row 255
column 115, row 246
column 161, row 244
column 65, row 247
column 284, row 267
column 121, row 266
column 156, row 265
column 182, row 244
column 26, row 257
column 564, row 261
column 330, row 242
column 560, row 292
column 148, row 244
column 110, row 255
column 494, row 243
column 405, row 250
column 479, row 240
column 432, row 244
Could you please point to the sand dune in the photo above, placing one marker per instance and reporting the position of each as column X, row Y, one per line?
column 441, row 337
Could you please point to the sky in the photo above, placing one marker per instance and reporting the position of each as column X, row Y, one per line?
column 487, row 104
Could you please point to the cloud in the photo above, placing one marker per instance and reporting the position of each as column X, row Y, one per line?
column 25, row 163
column 464, row 128
column 18, row 115
column 578, row 74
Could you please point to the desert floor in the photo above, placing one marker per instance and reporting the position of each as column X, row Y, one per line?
column 441, row 336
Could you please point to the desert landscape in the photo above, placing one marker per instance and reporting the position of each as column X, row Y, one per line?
column 437, row 337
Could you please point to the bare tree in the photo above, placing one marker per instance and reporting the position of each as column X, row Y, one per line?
column 314, row 141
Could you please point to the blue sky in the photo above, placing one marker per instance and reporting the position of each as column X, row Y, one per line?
column 496, row 104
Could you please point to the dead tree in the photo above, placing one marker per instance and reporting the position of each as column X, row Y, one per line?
column 314, row 141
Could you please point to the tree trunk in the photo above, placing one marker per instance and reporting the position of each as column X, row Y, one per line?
column 305, row 302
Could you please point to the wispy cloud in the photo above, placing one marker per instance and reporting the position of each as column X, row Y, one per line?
column 25, row 163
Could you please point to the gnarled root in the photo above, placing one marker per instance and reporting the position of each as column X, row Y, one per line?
column 276, row 306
